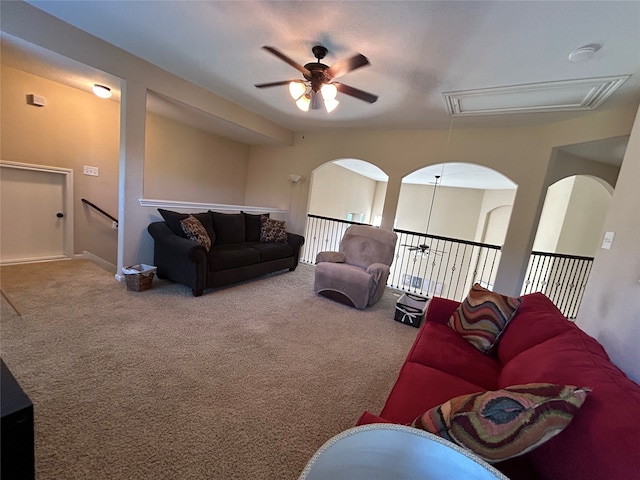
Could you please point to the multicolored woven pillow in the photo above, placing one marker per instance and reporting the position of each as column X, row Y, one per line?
column 506, row 423
column 482, row 317
column 194, row 230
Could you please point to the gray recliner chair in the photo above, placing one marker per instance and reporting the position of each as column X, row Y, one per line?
column 356, row 275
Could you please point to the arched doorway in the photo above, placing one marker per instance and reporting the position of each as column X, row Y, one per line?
column 446, row 215
column 342, row 192
column 568, row 236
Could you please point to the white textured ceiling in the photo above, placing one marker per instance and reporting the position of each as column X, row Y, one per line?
column 417, row 50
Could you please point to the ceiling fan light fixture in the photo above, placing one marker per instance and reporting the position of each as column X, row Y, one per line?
column 303, row 103
column 331, row 105
column 329, row 91
column 297, row 89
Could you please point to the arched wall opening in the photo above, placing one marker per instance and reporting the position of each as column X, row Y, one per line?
column 348, row 189
column 453, row 200
column 573, row 215
column 568, row 236
column 446, row 213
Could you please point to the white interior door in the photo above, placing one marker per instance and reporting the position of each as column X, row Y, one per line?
column 33, row 214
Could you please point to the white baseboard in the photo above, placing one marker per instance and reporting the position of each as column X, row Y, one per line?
column 18, row 261
column 101, row 262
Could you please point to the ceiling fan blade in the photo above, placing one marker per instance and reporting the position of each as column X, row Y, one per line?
column 354, row 92
column 286, row 59
column 346, row 65
column 275, row 84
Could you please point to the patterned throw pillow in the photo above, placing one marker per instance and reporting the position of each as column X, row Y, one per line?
column 505, row 423
column 194, row 230
column 272, row 231
column 482, row 317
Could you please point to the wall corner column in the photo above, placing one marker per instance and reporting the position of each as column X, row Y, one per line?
column 391, row 203
column 131, row 218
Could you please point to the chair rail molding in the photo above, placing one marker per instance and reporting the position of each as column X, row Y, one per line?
column 219, row 207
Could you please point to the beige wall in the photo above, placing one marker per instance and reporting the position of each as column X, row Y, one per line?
column 572, row 217
column 495, row 213
column 73, row 129
column 190, row 165
column 582, row 228
column 454, row 214
column 523, row 154
column 378, row 200
column 552, row 216
column 610, row 309
column 337, row 191
column 76, row 128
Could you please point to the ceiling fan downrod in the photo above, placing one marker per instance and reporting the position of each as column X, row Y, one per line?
column 433, row 197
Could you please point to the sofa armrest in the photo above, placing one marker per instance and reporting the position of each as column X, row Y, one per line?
column 296, row 241
column 179, row 259
column 440, row 309
column 332, row 257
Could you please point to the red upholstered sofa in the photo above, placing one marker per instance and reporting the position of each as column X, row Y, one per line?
column 539, row 345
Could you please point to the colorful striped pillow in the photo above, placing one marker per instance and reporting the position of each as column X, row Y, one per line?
column 482, row 317
column 505, row 423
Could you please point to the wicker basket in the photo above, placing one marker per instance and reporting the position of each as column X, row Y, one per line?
column 140, row 281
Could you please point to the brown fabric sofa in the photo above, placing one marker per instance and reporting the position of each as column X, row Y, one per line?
column 236, row 253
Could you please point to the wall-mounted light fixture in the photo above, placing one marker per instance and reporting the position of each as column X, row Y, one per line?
column 294, row 178
column 102, row 91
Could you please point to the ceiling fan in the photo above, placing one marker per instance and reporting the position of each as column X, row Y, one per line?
column 318, row 83
column 423, row 249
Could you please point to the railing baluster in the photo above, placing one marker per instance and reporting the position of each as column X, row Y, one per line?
column 560, row 277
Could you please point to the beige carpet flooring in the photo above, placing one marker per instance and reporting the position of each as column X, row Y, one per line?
column 245, row 382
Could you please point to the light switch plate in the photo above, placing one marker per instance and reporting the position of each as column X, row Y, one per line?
column 608, row 240
column 92, row 171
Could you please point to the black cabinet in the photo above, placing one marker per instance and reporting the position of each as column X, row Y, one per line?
column 17, row 460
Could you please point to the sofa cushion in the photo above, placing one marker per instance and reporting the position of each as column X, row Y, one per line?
column 438, row 346
column 502, row 424
column 229, row 227
column 537, row 320
column 272, row 230
column 252, row 226
column 602, row 440
column 232, row 255
column 272, row 251
column 482, row 317
column 419, row 388
column 173, row 219
column 195, row 231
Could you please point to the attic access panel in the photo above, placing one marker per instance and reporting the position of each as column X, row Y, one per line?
column 565, row 95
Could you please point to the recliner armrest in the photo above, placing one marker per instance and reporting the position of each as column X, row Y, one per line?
column 378, row 271
column 332, row 257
